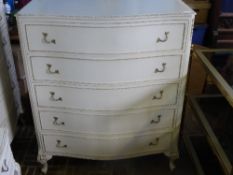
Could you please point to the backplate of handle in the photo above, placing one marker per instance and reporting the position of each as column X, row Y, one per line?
column 50, row 71
column 59, row 145
column 159, row 40
column 55, row 122
column 157, row 70
column 53, row 98
column 158, row 97
column 157, row 120
column 46, row 40
column 154, row 143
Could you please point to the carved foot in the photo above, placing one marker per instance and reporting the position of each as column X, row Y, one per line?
column 172, row 159
column 172, row 165
column 43, row 158
column 44, row 168
column 17, row 169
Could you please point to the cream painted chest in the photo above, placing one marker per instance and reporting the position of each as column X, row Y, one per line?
column 106, row 77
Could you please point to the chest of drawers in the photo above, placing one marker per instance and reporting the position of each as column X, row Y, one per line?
column 106, row 78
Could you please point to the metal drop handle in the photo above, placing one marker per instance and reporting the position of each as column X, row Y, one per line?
column 154, row 143
column 5, row 167
column 156, row 121
column 165, row 39
column 58, row 145
column 161, row 70
column 46, row 40
column 49, row 70
column 159, row 97
column 52, row 97
column 55, row 122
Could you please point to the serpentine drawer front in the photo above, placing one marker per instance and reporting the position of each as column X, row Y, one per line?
column 105, row 39
column 114, row 124
column 104, row 148
column 106, row 99
column 106, row 78
column 99, row 71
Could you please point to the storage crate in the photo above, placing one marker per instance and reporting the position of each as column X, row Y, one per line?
column 201, row 7
column 199, row 34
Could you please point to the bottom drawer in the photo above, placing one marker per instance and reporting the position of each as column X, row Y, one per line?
column 107, row 148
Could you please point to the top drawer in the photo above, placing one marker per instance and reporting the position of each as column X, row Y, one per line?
column 105, row 40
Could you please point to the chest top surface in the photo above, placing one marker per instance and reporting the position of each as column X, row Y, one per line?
column 105, row 8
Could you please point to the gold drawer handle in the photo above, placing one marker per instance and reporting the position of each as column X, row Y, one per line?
column 55, row 122
column 161, row 70
column 58, row 145
column 46, row 40
column 49, row 70
column 165, row 39
column 52, row 97
column 5, row 167
column 159, row 97
column 156, row 121
column 155, row 143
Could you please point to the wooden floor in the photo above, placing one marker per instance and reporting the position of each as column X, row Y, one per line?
column 25, row 151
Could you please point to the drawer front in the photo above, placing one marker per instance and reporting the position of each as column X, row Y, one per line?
column 100, row 124
column 131, row 39
column 92, row 71
column 103, row 148
column 106, row 99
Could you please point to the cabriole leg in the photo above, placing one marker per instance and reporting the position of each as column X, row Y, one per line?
column 172, row 159
column 43, row 159
column 172, row 165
